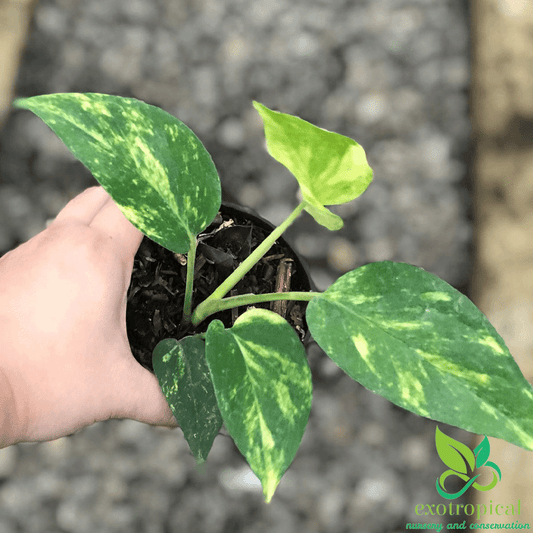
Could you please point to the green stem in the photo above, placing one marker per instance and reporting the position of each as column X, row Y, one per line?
column 248, row 263
column 214, row 306
column 191, row 260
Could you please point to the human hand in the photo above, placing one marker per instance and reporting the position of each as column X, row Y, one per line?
column 64, row 349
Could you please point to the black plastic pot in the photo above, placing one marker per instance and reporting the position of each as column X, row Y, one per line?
column 156, row 292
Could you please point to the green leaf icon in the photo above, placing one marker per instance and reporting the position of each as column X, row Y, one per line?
column 184, row 378
column 264, row 391
column 482, row 452
column 151, row 164
column 460, row 459
column 330, row 168
column 454, row 454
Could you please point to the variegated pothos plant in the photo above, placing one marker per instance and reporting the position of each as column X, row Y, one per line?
column 398, row 330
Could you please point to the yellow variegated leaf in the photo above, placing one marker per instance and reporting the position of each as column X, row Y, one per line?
column 412, row 338
column 263, row 387
column 330, row 168
column 153, row 166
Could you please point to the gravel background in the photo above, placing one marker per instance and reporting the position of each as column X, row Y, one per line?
column 392, row 74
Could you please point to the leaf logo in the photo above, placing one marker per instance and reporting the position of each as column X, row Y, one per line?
column 464, row 463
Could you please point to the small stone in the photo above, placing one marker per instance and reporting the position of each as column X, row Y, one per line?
column 317, row 18
column 321, row 279
column 435, row 149
column 13, row 203
column 56, row 450
column 251, row 195
column 231, row 133
column 276, row 213
column 141, row 11
column 99, row 9
column 456, row 72
column 50, row 484
column 311, row 246
column 342, row 255
column 373, row 434
column 235, row 50
column 240, row 480
column 372, row 108
column 304, row 45
column 74, row 517
column 17, row 497
column 115, row 487
column 330, row 508
column 131, row 431
column 263, row 13
column 205, row 85
column 52, row 201
column 329, row 369
column 379, row 250
column 429, row 74
column 51, row 21
column 123, row 61
column 374, row 489
column 415, row 453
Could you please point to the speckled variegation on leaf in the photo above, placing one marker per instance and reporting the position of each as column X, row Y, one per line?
column 263, row 387
column 412, row 338
column 330, row 168
column 152, row 165
column 398, row 330
column 184, row 378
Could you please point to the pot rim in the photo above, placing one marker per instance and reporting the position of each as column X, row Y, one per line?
column 302, row 275
column 301, row 262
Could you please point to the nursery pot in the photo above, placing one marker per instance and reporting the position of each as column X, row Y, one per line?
column 156, row 292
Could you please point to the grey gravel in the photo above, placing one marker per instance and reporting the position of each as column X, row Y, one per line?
column 392, row 74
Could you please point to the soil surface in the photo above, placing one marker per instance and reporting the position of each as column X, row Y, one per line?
column 157, row 291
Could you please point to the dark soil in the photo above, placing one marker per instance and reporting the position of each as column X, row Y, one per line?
column 157, row 288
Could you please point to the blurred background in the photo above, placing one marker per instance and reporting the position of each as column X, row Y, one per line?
column 395, row 75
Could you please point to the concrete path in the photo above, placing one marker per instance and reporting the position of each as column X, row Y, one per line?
column 502, row 105
column 14, row 19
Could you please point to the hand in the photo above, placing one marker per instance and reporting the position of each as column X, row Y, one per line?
column 64, row 350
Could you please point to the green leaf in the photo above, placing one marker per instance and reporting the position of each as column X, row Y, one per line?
column 264, row 391
column 482, row 452
column 412, row 338
column 454, row 454
column 330, row 168
column 323, row 215
column 184, row 378
column 153, row 166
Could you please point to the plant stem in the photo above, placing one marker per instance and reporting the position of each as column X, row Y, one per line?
column 191, row 260
column 214, row 306
column 253, row 258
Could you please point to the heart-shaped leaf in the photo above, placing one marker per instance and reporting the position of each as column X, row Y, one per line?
column 330, row 168
column 263, row 387
column 184, row 378
column 153, row 166
column 412, row 338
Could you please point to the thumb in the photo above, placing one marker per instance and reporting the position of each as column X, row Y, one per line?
column 144, row 401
